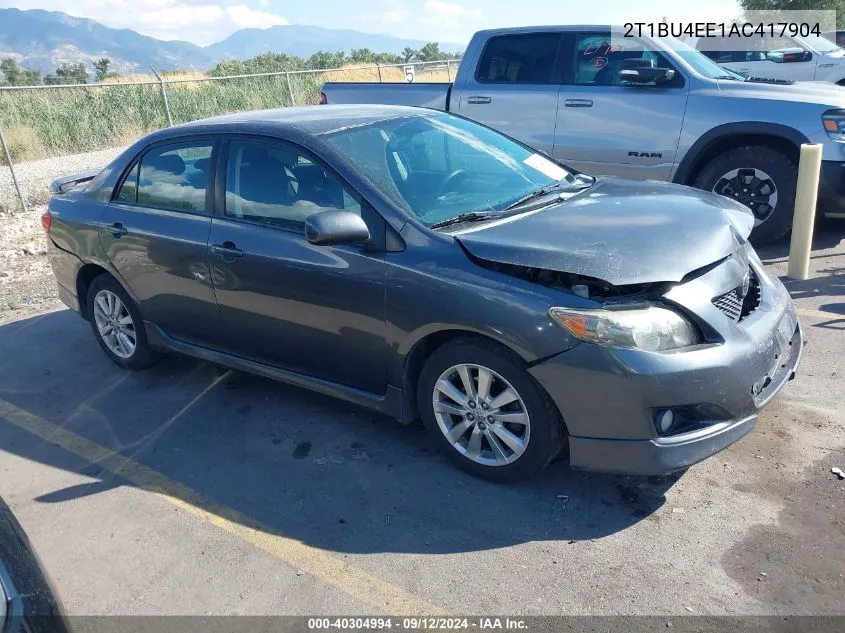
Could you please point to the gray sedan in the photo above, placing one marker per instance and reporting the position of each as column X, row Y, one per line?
column 423, row 265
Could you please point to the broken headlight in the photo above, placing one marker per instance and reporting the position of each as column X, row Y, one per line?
column 648, row 328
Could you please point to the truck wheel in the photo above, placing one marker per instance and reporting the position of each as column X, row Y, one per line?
column 761, row 178
column 486, row 413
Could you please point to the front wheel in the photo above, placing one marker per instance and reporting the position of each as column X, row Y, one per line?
column 761, row 178
column 486, row 413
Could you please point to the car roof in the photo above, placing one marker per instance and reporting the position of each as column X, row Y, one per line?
column 310, row 119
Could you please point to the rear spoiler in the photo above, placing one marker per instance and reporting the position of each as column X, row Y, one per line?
column 69, row 183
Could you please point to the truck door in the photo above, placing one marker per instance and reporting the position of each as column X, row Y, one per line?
column 607, row 125
column 514, row 87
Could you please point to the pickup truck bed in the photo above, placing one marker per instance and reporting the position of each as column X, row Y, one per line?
column 423, row 95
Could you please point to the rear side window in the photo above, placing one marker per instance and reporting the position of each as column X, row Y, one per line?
column 175, row 176
column 128, row 191
column 519, row 59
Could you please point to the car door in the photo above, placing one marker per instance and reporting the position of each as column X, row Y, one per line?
column 608, row 126
column 317, row 310
column 515, row 87
column 155, row 230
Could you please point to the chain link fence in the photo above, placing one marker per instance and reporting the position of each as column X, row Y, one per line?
column 47, row 122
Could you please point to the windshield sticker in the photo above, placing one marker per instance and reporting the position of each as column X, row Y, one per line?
column 545, row 167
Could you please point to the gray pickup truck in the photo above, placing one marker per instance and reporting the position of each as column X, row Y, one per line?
column 642, row 108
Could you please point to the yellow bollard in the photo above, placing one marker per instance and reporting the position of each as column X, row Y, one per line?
column 809, row 168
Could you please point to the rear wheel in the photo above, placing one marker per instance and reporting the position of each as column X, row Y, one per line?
column 117, row 324
column 486, row 413
column 761, row 178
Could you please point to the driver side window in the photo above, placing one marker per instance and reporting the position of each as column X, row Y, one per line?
column 600, row 56
column 276, row 184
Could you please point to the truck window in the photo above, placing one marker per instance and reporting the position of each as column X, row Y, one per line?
column 519, row 59
column 600, row 56
column 724, row 50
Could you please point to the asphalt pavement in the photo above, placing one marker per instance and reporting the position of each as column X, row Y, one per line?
column 190, row 489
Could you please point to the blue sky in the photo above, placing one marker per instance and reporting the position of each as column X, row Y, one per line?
column 207, row 21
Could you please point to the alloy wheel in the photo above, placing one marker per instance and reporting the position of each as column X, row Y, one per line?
column 752, row 187
column 481, row 415
column 114, row 323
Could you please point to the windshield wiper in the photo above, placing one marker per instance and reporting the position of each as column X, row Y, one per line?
column 537, row 193
column 731, row 77
column 471, row 216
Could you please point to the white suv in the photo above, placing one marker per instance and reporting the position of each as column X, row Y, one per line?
column 786, row 58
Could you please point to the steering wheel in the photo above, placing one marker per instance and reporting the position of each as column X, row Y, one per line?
column 449, row 180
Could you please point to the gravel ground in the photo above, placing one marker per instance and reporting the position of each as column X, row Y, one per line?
column 26, row 281
column 35, row 177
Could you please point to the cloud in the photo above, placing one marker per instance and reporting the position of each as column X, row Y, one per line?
column 203, row 23
column 452, row 18
column 442, row 20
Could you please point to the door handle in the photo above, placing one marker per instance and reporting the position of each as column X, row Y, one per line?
column 227, row 250
column 478, row 100
column 117, row 230
column 578, row 103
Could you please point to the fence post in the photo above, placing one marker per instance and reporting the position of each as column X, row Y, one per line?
column 379, row 72
column 290, row 90
column 12, row 170
column 164, row 97
column 449, row 70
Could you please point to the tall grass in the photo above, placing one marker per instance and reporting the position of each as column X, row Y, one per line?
column 58, row 121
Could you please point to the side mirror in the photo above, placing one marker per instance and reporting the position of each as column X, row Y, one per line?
column 335, row 227
column 788, row 55
column 646, row 75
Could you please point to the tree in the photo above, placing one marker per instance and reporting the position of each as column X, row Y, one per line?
column 361, row 56
column 68, row 73
column 430, row 52
column 323, row 59
column 101, row 69
column 409, row 54
column 776, row 6
column 11, row 74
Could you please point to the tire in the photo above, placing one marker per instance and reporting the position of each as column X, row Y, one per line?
column 542, row 437
column 101, row 294
column 779, row 168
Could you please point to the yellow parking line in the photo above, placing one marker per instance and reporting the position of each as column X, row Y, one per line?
column 314, row 561
column 820, row 314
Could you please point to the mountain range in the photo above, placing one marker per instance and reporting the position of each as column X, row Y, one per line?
column 45, row 39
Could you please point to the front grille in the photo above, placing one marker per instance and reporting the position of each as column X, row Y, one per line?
column 736, row 306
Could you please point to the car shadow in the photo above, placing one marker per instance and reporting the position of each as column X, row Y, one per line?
column 827, row 233
column 292, row 462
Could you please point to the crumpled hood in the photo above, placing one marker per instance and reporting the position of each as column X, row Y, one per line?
column 620, row 231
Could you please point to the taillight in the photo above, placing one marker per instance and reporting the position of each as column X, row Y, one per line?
column 323, row 100
column 46, row 221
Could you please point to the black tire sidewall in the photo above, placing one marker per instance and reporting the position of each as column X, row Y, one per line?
column 546, row 439
column 143, row 355
column 780, row 168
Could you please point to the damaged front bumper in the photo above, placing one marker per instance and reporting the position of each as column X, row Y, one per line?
column 609, row 397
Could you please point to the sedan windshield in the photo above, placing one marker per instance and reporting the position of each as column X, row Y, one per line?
column 439, row 167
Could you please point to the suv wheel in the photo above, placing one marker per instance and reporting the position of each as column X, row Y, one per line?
column 761, row 178
column 486, row 413
column 117, row 324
